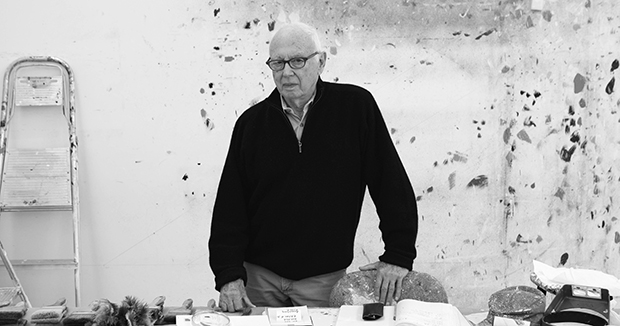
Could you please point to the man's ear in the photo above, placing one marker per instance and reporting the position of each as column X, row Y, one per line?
column 322, row 61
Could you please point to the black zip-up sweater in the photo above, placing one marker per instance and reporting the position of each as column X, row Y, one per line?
column 293, row 206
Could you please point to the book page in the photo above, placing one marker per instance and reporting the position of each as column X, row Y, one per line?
column 418, row 313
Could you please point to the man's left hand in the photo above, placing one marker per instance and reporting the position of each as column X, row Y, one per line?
column 388, row 283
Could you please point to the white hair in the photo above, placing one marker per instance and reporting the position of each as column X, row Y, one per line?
column 310, row 31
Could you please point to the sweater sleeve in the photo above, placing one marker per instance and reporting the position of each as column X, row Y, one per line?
column 229, row 224
column 390, row 190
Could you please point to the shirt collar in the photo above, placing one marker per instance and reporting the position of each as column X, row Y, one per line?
column 287, row 108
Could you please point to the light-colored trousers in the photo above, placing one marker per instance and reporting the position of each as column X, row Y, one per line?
column 267, row 289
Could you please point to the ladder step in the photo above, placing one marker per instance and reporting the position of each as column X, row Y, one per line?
column 36, row 179
column 7, row 295
column 43, row 263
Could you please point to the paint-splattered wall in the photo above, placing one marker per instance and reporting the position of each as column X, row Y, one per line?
column 504, row 113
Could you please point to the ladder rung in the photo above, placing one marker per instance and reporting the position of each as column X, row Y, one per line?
column 36, row 208
column 45, row 263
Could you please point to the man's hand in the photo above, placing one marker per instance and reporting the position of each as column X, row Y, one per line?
column 388, row 283
column 233, row 297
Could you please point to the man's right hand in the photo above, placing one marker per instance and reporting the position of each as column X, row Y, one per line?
column 233, row 297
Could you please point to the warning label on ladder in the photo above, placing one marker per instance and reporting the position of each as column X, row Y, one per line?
column 38, row 91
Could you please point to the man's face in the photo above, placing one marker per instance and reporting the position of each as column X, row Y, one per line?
column 296, row 84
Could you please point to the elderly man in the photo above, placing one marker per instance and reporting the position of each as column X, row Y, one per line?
column 291, row 191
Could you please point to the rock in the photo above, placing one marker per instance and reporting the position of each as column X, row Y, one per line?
column 517, row 302
column 357, row 288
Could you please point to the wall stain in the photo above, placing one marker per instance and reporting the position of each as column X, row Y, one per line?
column 451, row 180
column 614, row 65
column 563, row 259
column 487, row 33
column 579, row 83
column 524, row 136
column 566, row 154
column 610, row 86
column 560, row 193
column 480, row 181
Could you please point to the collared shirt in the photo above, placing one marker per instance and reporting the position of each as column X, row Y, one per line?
column 298, row 123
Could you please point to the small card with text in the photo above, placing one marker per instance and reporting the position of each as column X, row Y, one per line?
column 289, row 316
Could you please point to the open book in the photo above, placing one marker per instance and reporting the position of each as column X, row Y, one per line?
column 408, row 312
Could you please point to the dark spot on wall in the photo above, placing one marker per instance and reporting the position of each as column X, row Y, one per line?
column 411, row 140
column 487, row 33
column 524, row 136
column 528, row 122
column 480, row 181
column 610, row 86
column 216, row 11
column 505, row 69
column 521, row 240
column 216, row 48
column 228, row 59
column 560, row 193
column 333, row 50
column 451, row 179
column 507, row 135
column 393, row 130
column 210, row 85
column 247, row 25
column 202, row 90
column 547, row 15
column 582, row 103
column 614, row 65
column 203, row 113
column 528, row 22
column 185, row 177
column 539, row 239
column 563, row 259
column 575, row 137
column 617, row 237
column 511, row 190
column 588, row 4
column 429, row 189
column 579, row 83
column 571, row 110
column 566, row 154
column 271, row 25
column 509, row 158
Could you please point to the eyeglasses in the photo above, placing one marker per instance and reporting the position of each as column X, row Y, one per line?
column 295, row 63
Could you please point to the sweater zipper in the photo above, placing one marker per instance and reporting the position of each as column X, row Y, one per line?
column 291, row 129
column 289, row 122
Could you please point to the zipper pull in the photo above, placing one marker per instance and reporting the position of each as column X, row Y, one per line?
column 299, row 143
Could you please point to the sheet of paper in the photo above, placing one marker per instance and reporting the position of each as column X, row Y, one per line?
column 352, row 316
column 259, row 320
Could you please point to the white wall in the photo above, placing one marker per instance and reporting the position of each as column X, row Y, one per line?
column 455, row 80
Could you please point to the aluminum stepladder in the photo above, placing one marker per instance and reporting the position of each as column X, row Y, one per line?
column 39, row 179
